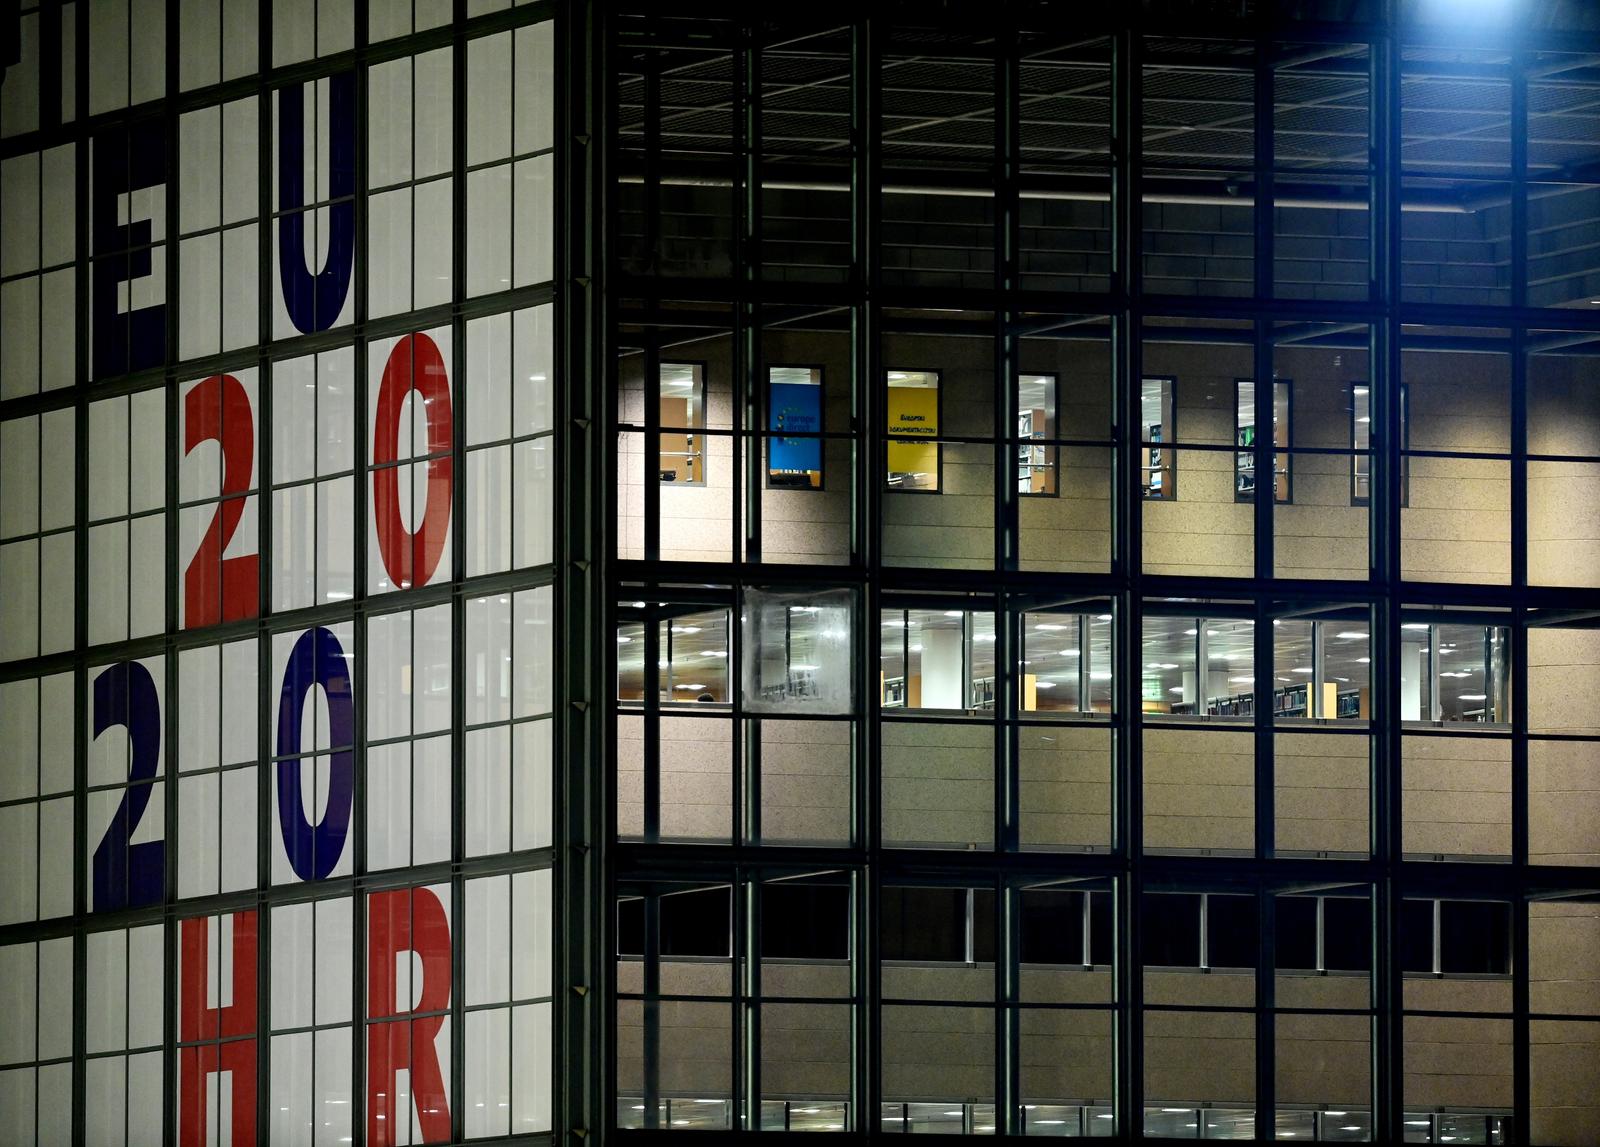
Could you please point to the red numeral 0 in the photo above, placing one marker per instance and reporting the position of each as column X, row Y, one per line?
column 215, row 588
column 411, row 558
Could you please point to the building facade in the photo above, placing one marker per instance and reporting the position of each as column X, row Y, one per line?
column 593, row 571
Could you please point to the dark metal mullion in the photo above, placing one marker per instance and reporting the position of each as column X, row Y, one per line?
column 80, row 619
column 747, row 937
column 460, row 401
column 749, row 393
column 652, row 720
column 583, row 1004
column 361, row 483
column 265, row 768
column 1384, row 408
column 1518, row 693
column 651, row 388
column 168, row 774
column 866, row 104
column 1127, row 759
column 651, row 1008
column 1266, row 495
column 1008, row 994
column 1007, row 146
column 1521, row 1003
column 1007, row 623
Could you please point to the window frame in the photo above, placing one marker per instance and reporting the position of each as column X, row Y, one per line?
column 1046, row 442
column 1169, row 469
column 820, row 436
column 1358, row 452
column 1284, row 452
column 701, row 390
column 937, row 440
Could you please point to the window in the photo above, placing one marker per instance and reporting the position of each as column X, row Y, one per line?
column 1361, row 445
column 1158, row 465
column 511, row 158
column 692, row 657
column 1231, row 931
column 697, row 922
column 510, row 440
column 1036, row 419
column 937, row 925
column 1170, row 924
column 797, row 652
column 219, row 248
column 37, row 803
column 408, row 746
column 1175, row 648
column 1066, row 663
column 123, row 1009
column 507, row 715
column 937, row 659
column 683, row 423
column 1455, row 673
column 1199, row 930
column 312, row 997
column 1323, row 933
column 37, row 312
column 507, row 996
column 313, row 496
column 1322, row 669
column 1244, row 437
column 127, row 516
column 36, row 1041
column 218, row 479
column 37, row 533
column 803, row 920
column 1455, row 937
column 411, row 449
column 795, row 418
column 217, row 780
column 912, row 424
column 1065, row 926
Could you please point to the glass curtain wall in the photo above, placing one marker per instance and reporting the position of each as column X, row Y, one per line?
column 1020, row 759
column 277, row 415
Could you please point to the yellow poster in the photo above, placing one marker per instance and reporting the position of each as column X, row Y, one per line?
column 913, row 413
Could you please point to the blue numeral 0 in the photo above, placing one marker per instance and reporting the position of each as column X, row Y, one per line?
column 317, row 659
column 127, row 876
column 315, row 300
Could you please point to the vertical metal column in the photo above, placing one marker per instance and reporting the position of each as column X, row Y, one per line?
column 1008, row 646
column 1127, row 560
column 746, row 901
column 583, row 973
column 1384, row 524
column 867, row 395
column 650, row 384
column 749, row 387
column 1266, row 496
column 1517, row 695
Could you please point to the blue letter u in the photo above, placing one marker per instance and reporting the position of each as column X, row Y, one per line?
column 315, row 300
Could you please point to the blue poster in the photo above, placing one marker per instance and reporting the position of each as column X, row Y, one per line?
column 797, row 409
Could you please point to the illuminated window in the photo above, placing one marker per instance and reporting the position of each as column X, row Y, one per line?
column 1158, row 464
column 911, row 422
column 795, row 419
column 1361, row 445
column 1036, row 433
column 683, row 423
column 1244, row 437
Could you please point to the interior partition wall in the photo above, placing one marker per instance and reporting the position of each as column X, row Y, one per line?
column 987, row 750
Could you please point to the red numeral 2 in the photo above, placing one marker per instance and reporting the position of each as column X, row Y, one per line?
column 215, row 588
